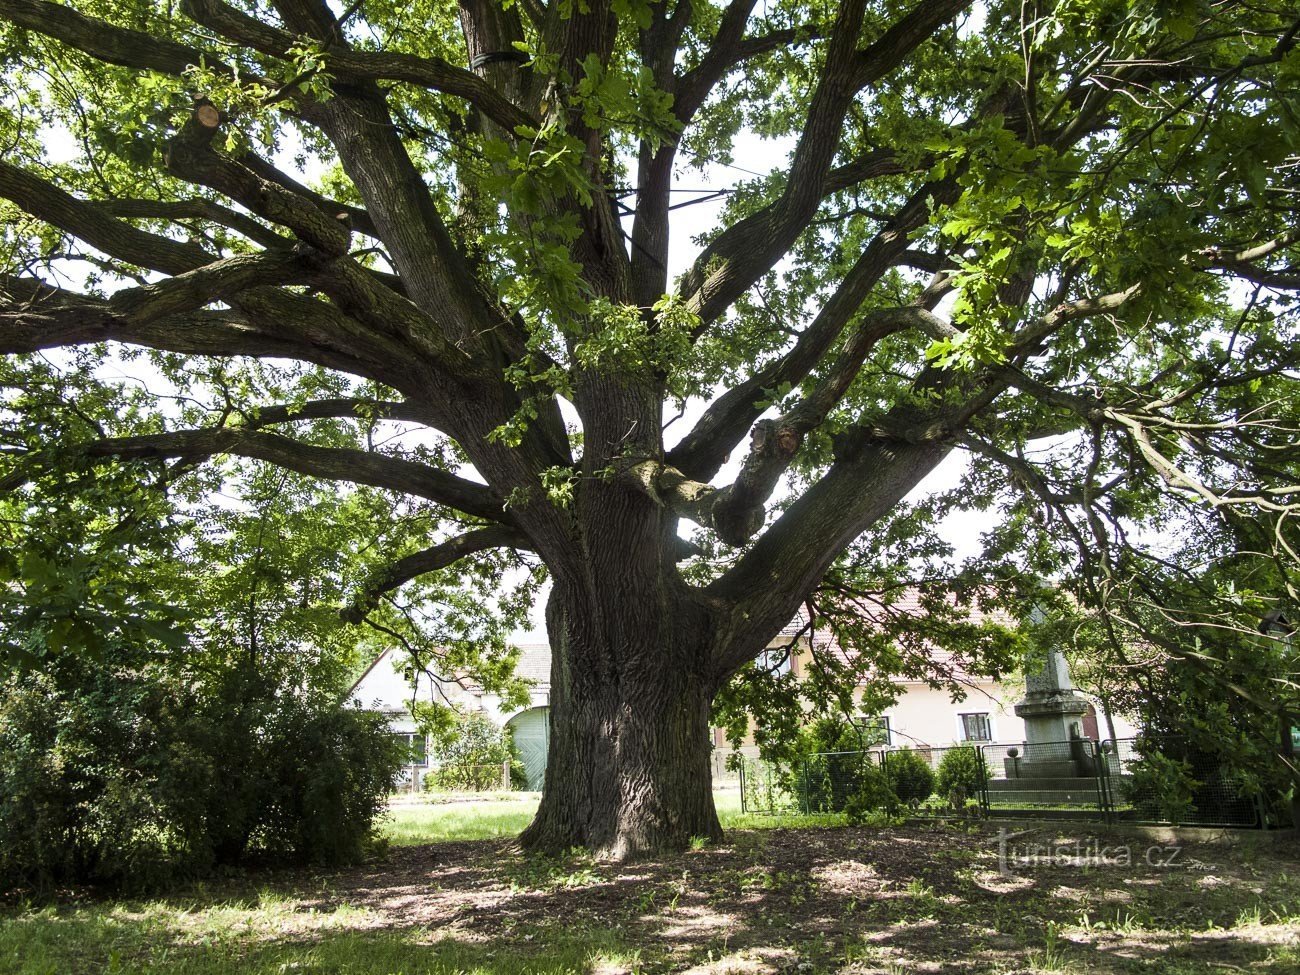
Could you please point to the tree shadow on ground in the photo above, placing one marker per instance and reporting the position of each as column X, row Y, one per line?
column 858, row 900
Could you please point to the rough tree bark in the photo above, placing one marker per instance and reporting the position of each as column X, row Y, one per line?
column 629, row 763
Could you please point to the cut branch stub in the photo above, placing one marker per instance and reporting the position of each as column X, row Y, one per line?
column 207, row 114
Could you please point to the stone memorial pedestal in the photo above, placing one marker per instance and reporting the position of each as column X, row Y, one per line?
column 1053, row 711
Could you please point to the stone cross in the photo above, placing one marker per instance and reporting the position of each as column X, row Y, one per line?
column 1052, row 679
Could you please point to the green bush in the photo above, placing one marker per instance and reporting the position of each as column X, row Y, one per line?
column 135, row 780
column 961, row 774
column 875, row 796
column 1161, row 788
column 910, row 776
column 326, row 774
column 829, row 765
column 470, row 755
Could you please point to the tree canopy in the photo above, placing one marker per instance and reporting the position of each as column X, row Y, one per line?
column 425, row 249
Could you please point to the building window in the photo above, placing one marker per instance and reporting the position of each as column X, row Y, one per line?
column 416, row 748
column 975, row 727
column 875, row 731
column 775, row 661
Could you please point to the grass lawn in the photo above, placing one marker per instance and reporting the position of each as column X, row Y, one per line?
column 411, row 822
column 454, row 896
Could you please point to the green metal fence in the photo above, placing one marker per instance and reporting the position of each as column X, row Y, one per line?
column 1111, row 781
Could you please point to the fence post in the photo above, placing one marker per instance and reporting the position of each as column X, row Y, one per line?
column 744, row 800
column 982, row 761
column 1103, row 784
column 806, row 805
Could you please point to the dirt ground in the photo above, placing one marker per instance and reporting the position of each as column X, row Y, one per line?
column 902, row 899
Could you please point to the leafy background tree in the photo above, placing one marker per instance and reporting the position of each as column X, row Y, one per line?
column 170, row 700
column 435, row 252
column 470, row 752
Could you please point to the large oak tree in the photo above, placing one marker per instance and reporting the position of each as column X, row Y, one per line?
column 984, row 225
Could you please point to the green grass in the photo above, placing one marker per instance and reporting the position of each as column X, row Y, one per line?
column 415, row 822
column 269, row 936
column 410, row 824
column 829, row 902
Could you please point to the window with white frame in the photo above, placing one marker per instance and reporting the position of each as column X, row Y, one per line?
column 876, row 731
column 976, row 727
column 416, row 748
column 775, row 661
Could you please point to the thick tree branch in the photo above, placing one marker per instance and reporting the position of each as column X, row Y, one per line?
column 350, row 65
column 430, row 560
column 344, row 408
column 266, row 322
column 34, row 316
column 723, row 425
column 765, row 587
column 329, row 463
column 107, row 42
column 744, row 252
column 218, row 281
column 90, row 224
column 378, row 306
column 694, row 86
column 191, row 157
column 1246, row 262
column 736, row 512
column 196, row 209
column 357, row 217
column 892, row 48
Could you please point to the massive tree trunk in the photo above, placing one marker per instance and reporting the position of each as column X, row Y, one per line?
column 628, row 770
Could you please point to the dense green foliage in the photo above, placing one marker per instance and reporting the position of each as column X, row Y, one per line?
column 136, row 778
column 827, row 765
column 873, row 796
column 909, row 775
column 1162, row 789
column 960, row 775
column 170, row 698
column 472, row 754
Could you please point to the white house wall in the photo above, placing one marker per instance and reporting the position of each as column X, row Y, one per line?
column 925, row 716
column 385, row 688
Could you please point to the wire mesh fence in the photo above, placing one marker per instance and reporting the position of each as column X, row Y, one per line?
column 464, row 777
column 916, row 781
column 1047, row 777
column 768, row 788
column 1177, row 784
column 1080, row 778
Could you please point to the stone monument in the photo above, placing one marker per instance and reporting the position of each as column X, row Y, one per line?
column 1053, row 712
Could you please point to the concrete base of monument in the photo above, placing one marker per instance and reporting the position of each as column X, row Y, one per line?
column 1025, row 768
column 1048, row 792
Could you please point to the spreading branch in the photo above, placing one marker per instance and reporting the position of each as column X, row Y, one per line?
column 430, row 560
column 330, row 463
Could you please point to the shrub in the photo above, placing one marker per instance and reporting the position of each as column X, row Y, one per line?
column 961, row 775
column 135, row 780
column 1161, row 788
column 910, row 776
column 875, row 795
column 326, row 776
column 471, row 754
column 829, row 765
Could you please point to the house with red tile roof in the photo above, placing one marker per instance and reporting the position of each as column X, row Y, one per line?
column 922, row 716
